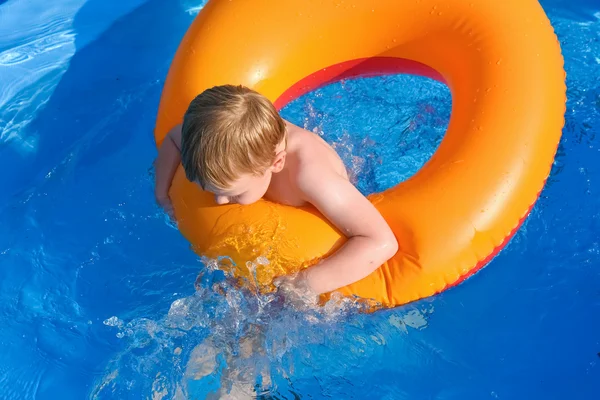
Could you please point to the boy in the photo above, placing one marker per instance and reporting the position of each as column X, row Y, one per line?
column 234, row 144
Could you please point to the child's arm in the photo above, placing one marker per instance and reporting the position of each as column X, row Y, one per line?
column 169, row 158
column 370, row 239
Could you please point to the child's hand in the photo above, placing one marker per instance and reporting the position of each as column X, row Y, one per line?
column 165, row 203
column 296, row 291
column 165, row 166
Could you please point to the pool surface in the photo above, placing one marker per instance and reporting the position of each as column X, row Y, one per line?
column 101, row 298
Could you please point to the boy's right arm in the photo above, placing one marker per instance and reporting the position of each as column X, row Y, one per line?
column 165, row 165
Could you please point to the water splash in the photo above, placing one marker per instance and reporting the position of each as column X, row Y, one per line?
column 193, row 7
column 221, row 338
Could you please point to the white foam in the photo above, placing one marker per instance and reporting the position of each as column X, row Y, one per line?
column 193, row 7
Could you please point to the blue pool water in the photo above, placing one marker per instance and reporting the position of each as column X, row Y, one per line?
column 97, row 291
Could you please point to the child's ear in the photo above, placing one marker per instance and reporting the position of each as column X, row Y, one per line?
column 279, row 162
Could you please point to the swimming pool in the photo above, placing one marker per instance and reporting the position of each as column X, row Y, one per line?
column 97, row 295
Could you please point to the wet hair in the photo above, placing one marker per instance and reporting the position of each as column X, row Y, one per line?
column 229, row 131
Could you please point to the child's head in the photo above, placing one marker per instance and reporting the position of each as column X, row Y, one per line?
column 232, row 141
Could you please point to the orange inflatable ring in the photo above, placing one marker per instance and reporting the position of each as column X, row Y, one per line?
column 503, row 65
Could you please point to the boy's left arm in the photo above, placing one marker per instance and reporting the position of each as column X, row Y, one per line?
column 370, row 243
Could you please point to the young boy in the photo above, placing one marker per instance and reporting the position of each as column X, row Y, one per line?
column 234, row 144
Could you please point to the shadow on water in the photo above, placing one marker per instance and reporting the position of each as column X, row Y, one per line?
column 119, row 72
column 106, row 99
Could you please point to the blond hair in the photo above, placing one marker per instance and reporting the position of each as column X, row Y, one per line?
column 229, row 131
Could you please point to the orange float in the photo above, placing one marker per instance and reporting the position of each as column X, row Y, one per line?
column 503, row 65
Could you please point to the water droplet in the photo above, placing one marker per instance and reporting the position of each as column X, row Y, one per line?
column 499, row 61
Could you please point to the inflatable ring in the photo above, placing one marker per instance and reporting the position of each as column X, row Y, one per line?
column 503, row 65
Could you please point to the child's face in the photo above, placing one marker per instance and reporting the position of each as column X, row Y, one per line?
column 247, row 189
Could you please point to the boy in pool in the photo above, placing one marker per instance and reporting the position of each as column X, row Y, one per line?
column 234, row 144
